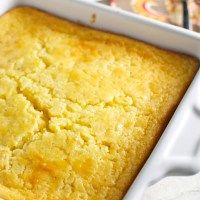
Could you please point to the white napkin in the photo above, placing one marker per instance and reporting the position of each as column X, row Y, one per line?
column 175, row 188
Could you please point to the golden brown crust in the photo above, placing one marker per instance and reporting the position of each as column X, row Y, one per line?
column 80, row 109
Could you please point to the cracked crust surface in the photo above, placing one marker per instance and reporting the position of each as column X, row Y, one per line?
column 80, row 109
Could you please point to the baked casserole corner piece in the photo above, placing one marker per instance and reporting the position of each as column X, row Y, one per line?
column 80, row 109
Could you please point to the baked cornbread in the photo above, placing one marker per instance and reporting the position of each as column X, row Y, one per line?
column 80, row 109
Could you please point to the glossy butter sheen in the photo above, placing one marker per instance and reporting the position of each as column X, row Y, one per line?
column 80, row 109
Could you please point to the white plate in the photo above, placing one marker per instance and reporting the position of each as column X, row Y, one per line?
column 177, row 150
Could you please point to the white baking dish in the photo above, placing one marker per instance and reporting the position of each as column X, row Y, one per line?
column 177, row 151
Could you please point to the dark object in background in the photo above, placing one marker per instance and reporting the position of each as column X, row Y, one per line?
column 185, row 15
